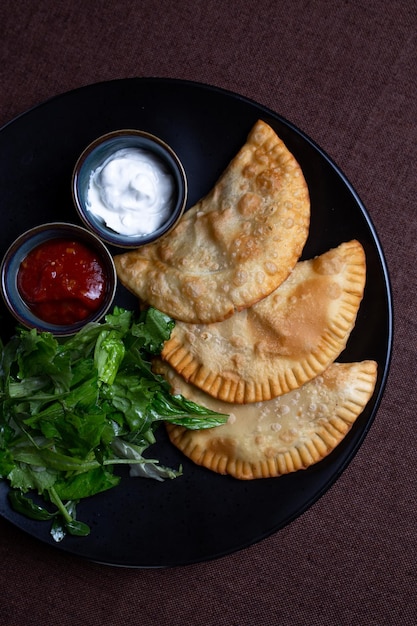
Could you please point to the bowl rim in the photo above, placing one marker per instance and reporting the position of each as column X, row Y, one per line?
column 8, row 283
column 107, row 234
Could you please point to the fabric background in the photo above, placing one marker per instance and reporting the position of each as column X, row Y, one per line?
column 344, row 72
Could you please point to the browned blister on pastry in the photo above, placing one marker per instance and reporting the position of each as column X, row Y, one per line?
column 282, row 435
column 281, row 342
column 233, row 247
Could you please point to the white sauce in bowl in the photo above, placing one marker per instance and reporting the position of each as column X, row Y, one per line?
column 132, row 192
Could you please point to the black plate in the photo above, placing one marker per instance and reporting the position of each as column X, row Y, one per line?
column 201, row 515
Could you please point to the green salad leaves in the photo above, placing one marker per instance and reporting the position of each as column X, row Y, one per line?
column 73, row 408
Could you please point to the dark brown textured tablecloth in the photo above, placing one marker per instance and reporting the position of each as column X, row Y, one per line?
column 345, row 73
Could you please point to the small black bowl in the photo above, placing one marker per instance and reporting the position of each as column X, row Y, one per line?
column 35, row 237
column 97, row 153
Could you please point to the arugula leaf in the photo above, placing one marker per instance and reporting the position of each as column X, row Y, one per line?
column 72, row 409
column 108, row 355
column 86, row 484
column 67, row 522
column 154, row 329
column 27, row 507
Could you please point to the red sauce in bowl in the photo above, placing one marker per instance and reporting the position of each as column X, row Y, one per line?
column 62, row 281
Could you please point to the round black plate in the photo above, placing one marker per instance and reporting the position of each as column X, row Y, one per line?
column 202, row 515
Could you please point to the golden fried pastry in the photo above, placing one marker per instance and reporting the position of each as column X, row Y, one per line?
column 233, row 247
column 281, row 342
column 282, row 435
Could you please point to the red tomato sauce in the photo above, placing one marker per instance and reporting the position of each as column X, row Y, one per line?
column 62, row 281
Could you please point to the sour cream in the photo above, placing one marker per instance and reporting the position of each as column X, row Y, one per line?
column 132, row 192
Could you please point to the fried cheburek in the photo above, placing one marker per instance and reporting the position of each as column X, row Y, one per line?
column 282, row 435
column 281, row 342
column 235, row 246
